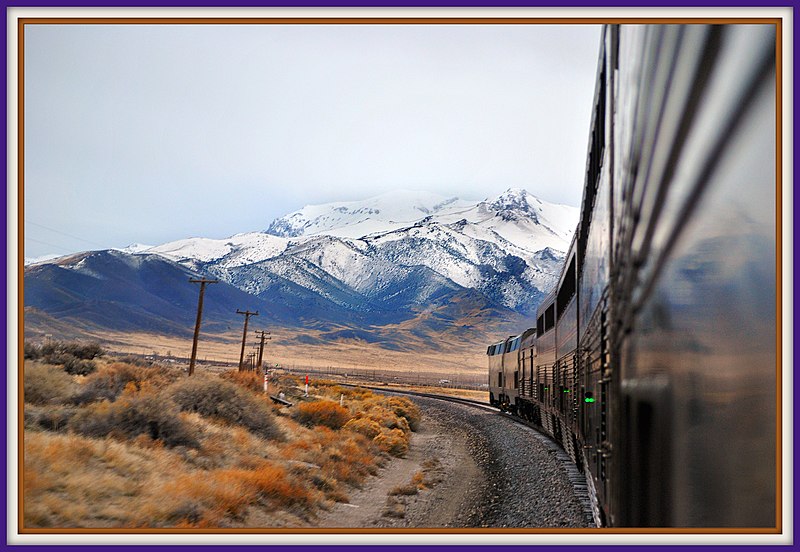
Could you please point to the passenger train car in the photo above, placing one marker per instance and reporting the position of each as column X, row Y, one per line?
column 654, row 360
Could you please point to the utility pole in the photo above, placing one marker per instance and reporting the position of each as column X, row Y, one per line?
column 202, row 282
column 263, row 335
column 247, row 314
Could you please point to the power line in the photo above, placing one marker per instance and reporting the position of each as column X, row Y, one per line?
column 247, row 314
column 202, row 282
column 47, row 243
column 62, row 233
column 264, row 337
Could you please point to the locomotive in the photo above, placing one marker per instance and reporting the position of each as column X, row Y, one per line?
column 654, row 361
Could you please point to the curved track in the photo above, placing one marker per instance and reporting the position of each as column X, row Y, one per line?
column 576, row 478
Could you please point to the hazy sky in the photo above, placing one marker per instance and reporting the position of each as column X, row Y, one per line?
column 154, row 133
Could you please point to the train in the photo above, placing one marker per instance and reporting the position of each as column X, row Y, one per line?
column 654, row 362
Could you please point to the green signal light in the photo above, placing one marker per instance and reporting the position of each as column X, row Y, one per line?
column 546, row 388
column 566, row 390
column 588, row 400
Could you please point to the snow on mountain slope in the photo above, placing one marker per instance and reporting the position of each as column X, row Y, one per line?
column 134, row 248
column 354, row 219
column 396, row 251
column 521, row 219
column 238, row 250
column 515, row 215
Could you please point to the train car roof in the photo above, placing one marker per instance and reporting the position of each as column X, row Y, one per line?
column 528, row 338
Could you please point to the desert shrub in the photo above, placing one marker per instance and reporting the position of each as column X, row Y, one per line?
column 419, row 480
column 58, row 358
column 252, row 381
column 109, row 382
column 44, row 384
column 404, row 408
column 134, row 414
column 336, row 457
column 32, row 351
column 364, row 426
column 58, row 352
column 392, row 441
column 405, row 490
column 349, row 458
column 83, row 351
column 324, row 413
column 385, row 417
column 79, row 367
column 226, row 401
column 206, row 499
column 49, row 418
column 394, row 508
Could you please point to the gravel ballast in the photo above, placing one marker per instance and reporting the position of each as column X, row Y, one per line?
column 491, row 472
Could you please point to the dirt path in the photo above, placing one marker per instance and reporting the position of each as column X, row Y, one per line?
column 446, row 468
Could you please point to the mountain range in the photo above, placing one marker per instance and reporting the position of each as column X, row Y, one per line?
column 352, row 269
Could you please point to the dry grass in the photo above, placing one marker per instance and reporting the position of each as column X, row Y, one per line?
column 365, row 426
column 251, row 381
column 325, row 413
column 111, row 379
column 47, row 384
column 144, row 447
column 207, row 498
column 225, row 401
column 74, row 481
column 454, row 357
column 394, row 508
column 133, row 414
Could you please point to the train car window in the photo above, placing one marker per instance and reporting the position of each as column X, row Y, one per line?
column 567, row 289
column 594, row 164
column 540, row 326
column 549, row 318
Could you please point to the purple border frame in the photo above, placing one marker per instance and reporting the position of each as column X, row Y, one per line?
column 6, row 4
column 403, row 3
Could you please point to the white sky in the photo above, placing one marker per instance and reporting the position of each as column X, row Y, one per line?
column 154, row 133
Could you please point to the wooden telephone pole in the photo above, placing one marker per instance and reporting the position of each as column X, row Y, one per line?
column 202, row 282
column 263, row 335
column 247, row 314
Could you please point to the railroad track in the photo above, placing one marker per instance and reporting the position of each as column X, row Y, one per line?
column 576, row 478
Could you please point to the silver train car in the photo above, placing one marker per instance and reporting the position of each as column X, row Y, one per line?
column 654, row 361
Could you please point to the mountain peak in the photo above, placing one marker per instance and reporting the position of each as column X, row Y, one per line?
column 134, row 248
column 353, row 219
column 514, row 198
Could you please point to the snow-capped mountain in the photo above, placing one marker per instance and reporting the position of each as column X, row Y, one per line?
column 380, row 269
column 516, row 216
column 396, row 251
column 354, row 219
